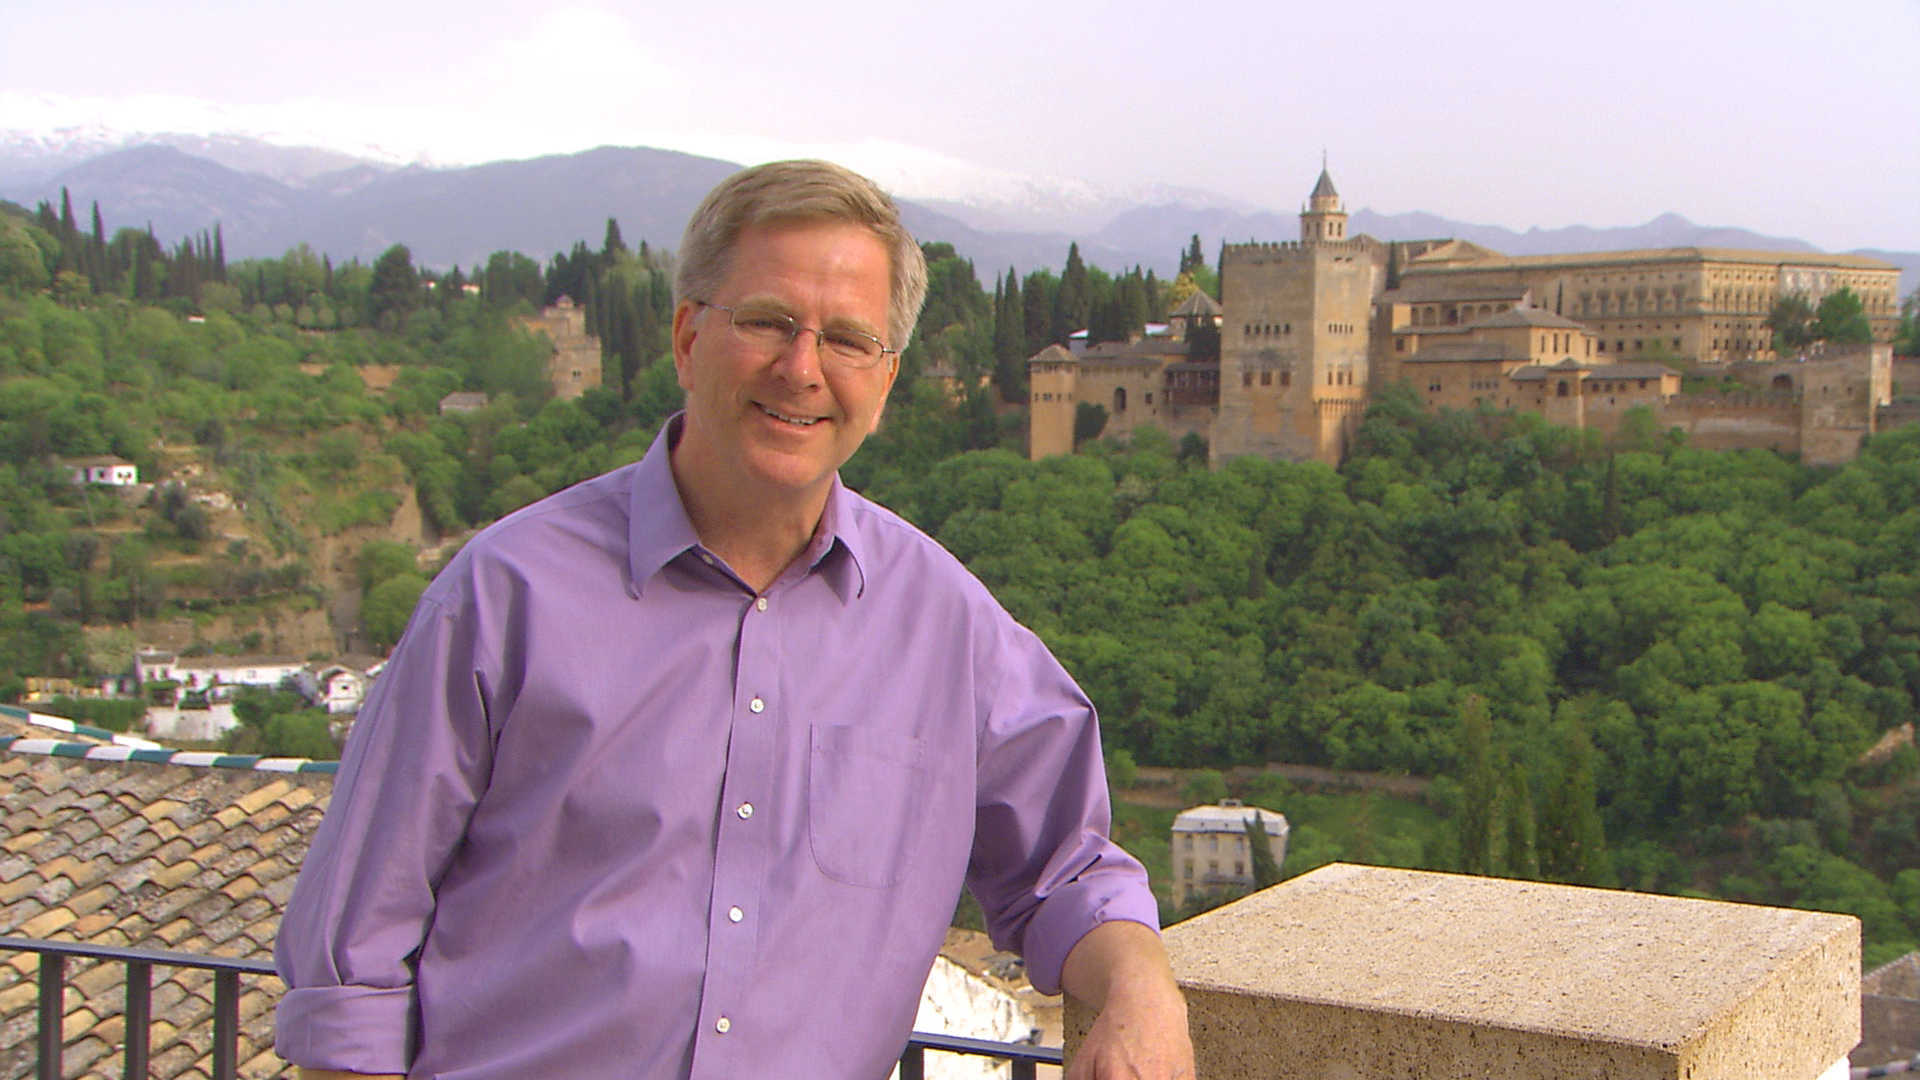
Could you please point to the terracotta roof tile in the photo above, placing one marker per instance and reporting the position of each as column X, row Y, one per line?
column 146, row 855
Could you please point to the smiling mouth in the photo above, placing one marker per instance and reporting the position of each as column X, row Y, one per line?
column 796, row 421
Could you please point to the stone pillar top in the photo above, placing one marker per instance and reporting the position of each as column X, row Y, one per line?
column 1561, row 980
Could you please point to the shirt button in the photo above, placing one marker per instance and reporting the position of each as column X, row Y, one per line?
column 756, row 705
column 734, row 914
column 760, row 603
column 745, row 811
column 723, row 1025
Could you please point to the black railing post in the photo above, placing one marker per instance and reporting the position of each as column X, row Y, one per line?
column 53, row 1013
column 913, row 1063
column 139, row 1017
column 1024, row 1069
column 226, row 1024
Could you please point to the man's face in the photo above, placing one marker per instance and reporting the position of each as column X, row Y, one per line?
column 779, row 423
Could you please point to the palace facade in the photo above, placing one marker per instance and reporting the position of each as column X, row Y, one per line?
column 1310, row 329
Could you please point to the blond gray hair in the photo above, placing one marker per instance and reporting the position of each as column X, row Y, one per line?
column 799, row 191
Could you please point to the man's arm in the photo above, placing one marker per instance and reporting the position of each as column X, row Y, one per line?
column 414, row 766
column 1052, row 881
column 1121, row 970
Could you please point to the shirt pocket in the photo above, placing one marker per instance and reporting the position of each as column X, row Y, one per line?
column 862, row 786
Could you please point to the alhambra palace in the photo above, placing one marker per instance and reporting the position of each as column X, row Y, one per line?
column 1310, row 329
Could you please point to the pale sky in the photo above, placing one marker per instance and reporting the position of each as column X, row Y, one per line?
column 1790, row 119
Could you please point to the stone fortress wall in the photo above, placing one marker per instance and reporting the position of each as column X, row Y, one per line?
column 1310, row 329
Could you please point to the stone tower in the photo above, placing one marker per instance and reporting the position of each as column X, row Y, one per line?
column 1323, row 220
column 1053, row 392
column 1293, row 337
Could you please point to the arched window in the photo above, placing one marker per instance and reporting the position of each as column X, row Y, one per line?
column 1120, row 399
column 1563, row 390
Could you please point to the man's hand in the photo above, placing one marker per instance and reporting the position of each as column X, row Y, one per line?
column 1121, row 969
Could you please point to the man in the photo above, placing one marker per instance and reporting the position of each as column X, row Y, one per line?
column 679, row 772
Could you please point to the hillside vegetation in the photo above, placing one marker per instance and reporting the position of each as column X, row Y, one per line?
column 1627, row 663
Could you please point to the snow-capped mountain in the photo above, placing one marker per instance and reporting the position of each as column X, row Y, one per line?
column 42, row 134
column 271, row 189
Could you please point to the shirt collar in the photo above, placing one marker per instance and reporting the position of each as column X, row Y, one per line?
column 659, row 531
column 845, row 571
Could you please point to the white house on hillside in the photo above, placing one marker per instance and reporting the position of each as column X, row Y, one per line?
column 335, row 687
column 212, row 673
column 111, row 471
column 1211, row 851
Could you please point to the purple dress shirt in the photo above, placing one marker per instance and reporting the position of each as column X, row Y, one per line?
column 608, row 813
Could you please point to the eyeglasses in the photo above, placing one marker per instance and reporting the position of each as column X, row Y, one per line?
column 770, row 330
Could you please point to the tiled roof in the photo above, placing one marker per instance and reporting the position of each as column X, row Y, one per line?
column 1529, row 317
column 1053, row 354
column 1593, row 371
column 1454, row 352
column 1425, row 291
column 1486, row 259
column 1215, row 818
column 1197, row 304
column 1630, row 371
column 1156, row 350
column 138, row 853
column 1889, row 1013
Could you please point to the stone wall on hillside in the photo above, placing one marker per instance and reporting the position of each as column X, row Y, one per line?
column 1756, row 421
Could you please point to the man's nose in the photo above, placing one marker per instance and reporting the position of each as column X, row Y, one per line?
column 799, row 361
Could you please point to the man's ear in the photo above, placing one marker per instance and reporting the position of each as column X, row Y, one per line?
column 893, row 372
column 684, row 332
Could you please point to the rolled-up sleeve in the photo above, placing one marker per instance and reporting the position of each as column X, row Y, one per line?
column 414, row 767
column 1043, row 866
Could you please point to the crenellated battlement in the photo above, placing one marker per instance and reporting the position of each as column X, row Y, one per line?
column 1256, row 249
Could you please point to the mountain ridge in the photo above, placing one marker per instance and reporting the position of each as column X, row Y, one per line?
column 268, row 199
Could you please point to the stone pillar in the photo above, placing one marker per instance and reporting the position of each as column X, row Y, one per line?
column 1357, row 973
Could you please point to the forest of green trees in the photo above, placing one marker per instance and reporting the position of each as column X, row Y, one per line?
column 1624, row 662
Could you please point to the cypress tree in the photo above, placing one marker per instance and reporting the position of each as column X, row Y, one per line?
column 142, row 273
column 1073, row 304
column 97, row 251
column 1193, row 258
column 1266, row 869
column 1523, row 849
column 1009, row 339
column 1573, row 842
column 1480, row 780
column 1039, row 304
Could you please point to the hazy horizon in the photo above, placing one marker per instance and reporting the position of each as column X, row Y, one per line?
column 1783, row 121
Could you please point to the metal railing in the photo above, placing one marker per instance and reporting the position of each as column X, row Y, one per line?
column 140, row 963
column 1026, row 1058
